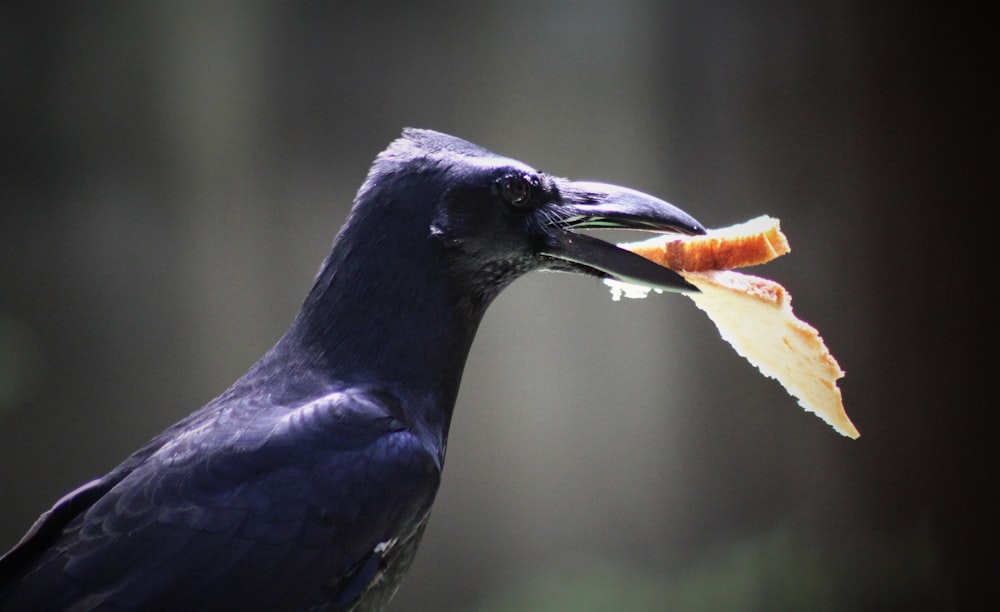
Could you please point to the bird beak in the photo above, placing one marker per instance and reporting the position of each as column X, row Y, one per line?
column 587, row 205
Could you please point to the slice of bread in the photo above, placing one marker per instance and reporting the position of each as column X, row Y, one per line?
column 754, row 314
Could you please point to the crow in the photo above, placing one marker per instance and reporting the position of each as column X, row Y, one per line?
column 308, row 483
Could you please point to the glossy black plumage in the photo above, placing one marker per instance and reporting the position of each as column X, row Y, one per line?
column 308, row 483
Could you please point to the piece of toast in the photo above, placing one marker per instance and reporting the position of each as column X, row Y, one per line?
column 754, row 314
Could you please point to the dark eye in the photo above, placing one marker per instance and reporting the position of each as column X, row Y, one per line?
column 516, row 189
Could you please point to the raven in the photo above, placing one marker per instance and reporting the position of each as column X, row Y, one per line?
column 308, row 483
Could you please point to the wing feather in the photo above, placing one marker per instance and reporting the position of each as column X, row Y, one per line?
column 247, row 495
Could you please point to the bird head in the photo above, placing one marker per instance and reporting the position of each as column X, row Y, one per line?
column 496, row 218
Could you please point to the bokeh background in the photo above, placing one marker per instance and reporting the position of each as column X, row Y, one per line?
column 173, row 173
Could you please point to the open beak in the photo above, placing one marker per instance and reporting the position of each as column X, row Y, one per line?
column 586, row 205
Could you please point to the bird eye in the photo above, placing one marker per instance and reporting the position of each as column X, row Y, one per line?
column 516, row 189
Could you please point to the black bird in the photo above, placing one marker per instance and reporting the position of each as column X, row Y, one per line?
column 308, row 483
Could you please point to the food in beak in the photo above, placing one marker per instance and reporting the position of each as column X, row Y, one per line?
column 753, row 314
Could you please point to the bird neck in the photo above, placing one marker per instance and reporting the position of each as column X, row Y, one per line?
column 390, row 315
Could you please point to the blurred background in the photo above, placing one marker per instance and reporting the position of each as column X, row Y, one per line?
column 173, row 173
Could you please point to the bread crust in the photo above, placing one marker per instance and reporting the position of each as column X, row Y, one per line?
column 754, row 242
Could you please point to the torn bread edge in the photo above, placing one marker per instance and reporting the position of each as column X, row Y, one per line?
column 755, row 316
